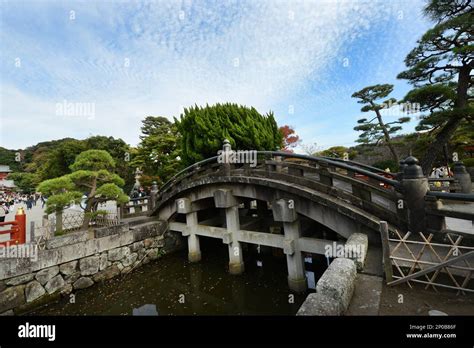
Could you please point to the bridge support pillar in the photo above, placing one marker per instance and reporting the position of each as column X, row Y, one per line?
column 194, row 249
column 183, row 206
column 225, row 199
column 236, row 261
column 296, row 275
column 284, row 211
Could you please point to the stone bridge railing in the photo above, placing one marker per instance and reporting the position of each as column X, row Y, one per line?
column 402, row 199
column 136, row 207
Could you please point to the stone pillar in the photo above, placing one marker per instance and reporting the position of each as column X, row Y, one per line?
column 236, row 263
column 284, row 211
column 225, row 157
column 463, row 177
column 183, row 206
column 415, row 186
column 278, row 167
column 153, row 196
column 401, row 168
column 225, row 199
column 435, row 222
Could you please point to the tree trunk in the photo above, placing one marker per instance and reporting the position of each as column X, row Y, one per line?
column 87, row 217
column 387, row 136
column 59, row 221
column 446, row 155
column 89, row 205
column 453, row 123
column 437, row 146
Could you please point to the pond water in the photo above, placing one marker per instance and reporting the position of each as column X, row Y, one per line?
column 173, row 286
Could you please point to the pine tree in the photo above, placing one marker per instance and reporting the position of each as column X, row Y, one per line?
column 376, row 130
column 440, row 70
column 204, row 128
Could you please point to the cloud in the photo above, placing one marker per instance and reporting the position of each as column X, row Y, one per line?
column 152, row 58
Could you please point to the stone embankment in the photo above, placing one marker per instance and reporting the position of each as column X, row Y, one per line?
column 78, row 260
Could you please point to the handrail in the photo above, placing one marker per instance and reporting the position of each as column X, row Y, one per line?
column 362, row 165
column 13, row 222
column 383, row 179
column 13, row 229
column 467, row 197
column 138, row 199
column 334, row 162
column 187, row 169
column 14, row 233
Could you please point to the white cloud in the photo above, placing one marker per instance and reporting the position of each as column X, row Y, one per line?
column 173, row 62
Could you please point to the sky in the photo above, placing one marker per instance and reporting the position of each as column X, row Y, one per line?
column 83, row 68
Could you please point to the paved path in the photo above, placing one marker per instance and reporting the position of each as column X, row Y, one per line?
column 466, row 226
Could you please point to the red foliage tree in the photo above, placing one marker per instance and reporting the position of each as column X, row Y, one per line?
column 290, row 138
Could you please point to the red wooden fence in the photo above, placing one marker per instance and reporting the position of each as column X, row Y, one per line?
column 17, row 230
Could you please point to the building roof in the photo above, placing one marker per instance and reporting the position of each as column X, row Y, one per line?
column 4, row 168
column 7, row 184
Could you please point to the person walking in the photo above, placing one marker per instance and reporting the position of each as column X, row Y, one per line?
column 3, row 211
column 29, row 202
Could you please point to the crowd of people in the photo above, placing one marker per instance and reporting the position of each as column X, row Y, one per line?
column 441, row 172
column 8, row 200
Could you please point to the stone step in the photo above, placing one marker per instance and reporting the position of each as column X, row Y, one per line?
column 139, row 220
column 373, row 262
column 367, row 295
column 144, row 224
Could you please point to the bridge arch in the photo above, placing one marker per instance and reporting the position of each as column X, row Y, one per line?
column 340, row 217
column 286, row 208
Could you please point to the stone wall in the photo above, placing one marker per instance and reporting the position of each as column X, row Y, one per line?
column 77, row 261
column 336, row 286
column 333, row 291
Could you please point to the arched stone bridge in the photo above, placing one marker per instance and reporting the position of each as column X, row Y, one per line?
column 297, row 203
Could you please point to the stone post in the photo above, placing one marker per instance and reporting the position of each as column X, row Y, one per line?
column 226, row 151
column 415, row 186
column 434, row 222
column 463, row 177
column 32, row 232
column 278, row 167
column 401, row 168
column 284, row 211
column 225, row 199
column 119, row 212
column 59, row 222
column 183, row 206
column 153, row 196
